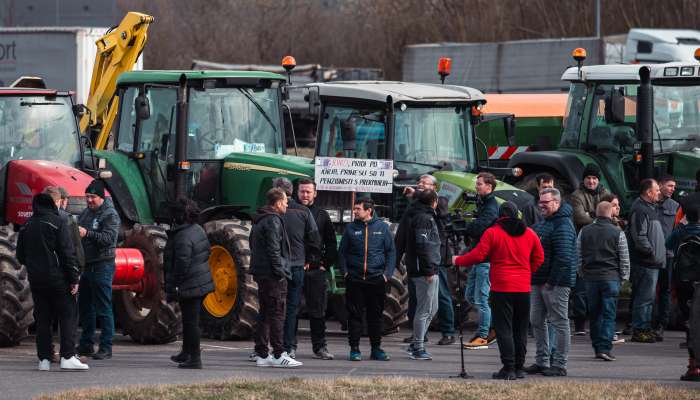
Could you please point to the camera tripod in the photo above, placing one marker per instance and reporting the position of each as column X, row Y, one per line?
column 454, row 242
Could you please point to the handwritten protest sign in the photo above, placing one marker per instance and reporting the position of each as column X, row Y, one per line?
column 354, row 175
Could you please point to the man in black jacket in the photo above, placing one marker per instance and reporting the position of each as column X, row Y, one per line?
column 44, row 246
column 422, row 262
column 304, row 249
column 315, row 282
column 99, row 229
column 269, row 265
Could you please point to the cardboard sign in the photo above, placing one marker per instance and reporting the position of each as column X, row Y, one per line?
column 354, row 175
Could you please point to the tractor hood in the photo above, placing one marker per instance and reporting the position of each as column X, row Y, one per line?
column 457, row 187
column 25, row 178
column 246, row 177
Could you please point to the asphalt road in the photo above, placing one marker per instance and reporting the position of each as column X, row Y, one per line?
column 135, row 364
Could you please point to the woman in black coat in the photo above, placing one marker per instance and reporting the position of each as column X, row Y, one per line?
column 187, row 277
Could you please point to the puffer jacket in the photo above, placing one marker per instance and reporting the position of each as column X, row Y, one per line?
column 668, row 208
column 558, row 237
column 102, row 226
column 584, row 202
column 647, row 247
column 367, row 250
column 186, row 262
column 45, row 247
column 486, row 215
column 418, row 238
column 269, row 246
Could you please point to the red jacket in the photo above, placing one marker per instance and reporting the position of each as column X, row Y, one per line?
column 513, row 258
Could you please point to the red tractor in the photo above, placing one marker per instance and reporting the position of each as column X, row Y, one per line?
column 39, row 146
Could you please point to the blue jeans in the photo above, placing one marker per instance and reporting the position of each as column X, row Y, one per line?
column 644, row 283
column 665, row 284
column 579, row 302
column 95, row 303
column 478, row 287
column 602, row 310
column 446, row 314
column 295, row 288
column 549, row 312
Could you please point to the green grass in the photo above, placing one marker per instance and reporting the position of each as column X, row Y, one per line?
column 387, row 389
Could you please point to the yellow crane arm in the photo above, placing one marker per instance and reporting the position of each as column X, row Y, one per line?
column 117, row 52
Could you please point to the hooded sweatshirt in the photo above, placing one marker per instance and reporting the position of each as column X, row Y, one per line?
column 514, row 252
column 269, row 245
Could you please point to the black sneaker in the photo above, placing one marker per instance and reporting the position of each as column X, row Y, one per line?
column 181, row 357
column 323, row 354
column 658, row 334
column 554, row 371
column 505, row 374
column 84, row 351
column 534, row 369
column 102, row 355
column 519, row 373
column 446, row 340
column 605, row 356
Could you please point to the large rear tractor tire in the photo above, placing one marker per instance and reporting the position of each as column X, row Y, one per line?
column 146, row 316
column 16, row 304
column 396, row 301
column 231, row 311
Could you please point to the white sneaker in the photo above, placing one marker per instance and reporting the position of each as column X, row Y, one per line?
column 263, row 362
column 285, row 361
column 617, row 340
column 44, row 365
column 253, row 357
column 73, row 364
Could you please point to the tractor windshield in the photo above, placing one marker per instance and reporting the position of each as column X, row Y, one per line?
column 431, row 138
column 38, row 128
column 226, row 120
column 676, row 118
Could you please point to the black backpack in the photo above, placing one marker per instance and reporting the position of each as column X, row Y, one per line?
column 687, row 258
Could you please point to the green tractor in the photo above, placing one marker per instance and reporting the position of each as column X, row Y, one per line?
column 217, row 138
column 424, row 129
column 633, row 121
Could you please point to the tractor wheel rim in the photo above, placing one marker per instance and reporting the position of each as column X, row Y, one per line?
column 225, row 276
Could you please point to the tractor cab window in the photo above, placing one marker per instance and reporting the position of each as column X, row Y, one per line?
column 157, row 133
column 676, row 118
column 613, row 118
column 573, row 115
column 429, row 138
column 353, row 133
column 38, row 128
column 221, row 121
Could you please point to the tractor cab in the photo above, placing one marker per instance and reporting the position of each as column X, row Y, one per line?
column 603, row 116
column 229, row 116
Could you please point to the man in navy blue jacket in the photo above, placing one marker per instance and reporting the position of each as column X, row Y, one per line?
column 366, row 259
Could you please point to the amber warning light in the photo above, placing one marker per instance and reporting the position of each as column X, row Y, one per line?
column 288, row 63
column 697, row 54
column 579, row 54
column 444, row 68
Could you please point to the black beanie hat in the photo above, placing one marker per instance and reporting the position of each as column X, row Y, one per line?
column 96, row 187
column 508, row 210
column 591, row 170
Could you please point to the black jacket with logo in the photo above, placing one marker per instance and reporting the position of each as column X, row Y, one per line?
column 102, row 226
column 418, row 240
column 45, row 247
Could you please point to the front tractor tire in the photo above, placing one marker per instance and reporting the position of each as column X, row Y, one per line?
column 231, row 311
column 16, row 304
column 146, row 316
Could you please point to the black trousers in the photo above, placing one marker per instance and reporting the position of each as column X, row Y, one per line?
column 316, row 296
column 190, row 326
column 365, row 298
column 54, row 305
column 272, row 295
column 511, row 316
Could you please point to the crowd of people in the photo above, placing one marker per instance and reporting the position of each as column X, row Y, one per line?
column 527, row 268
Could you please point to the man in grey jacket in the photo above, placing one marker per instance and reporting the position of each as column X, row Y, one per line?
column 648, row 255
column 603, row 262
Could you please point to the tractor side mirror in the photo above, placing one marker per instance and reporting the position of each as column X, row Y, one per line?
column 615, row 107
column 79, row 110
column 348, row 132
column 314, row 100
column 509, row 126
column 142, row 107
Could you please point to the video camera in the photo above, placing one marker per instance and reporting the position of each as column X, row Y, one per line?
column 457, row 222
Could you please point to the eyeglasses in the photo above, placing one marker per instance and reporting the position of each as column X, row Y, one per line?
column 544, row 202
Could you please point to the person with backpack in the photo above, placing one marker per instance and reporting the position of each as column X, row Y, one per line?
column 684, row 241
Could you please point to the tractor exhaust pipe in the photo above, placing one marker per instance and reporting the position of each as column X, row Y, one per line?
column 182, row 166
column 645, row 122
